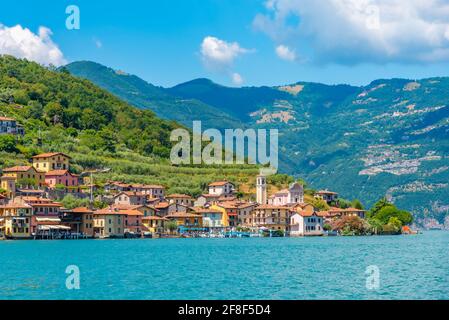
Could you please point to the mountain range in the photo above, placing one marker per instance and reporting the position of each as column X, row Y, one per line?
column 389, row 138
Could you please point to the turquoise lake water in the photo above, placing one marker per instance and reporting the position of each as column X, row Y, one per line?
column 411, row 267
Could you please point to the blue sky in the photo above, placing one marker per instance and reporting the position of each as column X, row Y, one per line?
column 251, row 42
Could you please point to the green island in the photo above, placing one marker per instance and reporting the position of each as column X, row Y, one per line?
column 78, row 162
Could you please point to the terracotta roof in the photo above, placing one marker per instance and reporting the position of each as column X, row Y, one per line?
column 131, row 194
column 82, row 210
column 162, row 205
column 218, row 183
column 108, row 211
column 147, row 186
column 333, row 209
column 153, row 218
column 15, row 206
column 183, row 215
column 7, row 119
column 50, row 154
column 272, row 207
column 210, row 196
column 59, row 173
column 204, row 210
column 177, row 195
column 132, row 212
column 18, row 169
column 54, row 204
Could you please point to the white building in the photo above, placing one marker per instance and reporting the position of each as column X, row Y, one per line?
column 306, row 224
column 261, row 190
column 221, row 188
column 294, row 194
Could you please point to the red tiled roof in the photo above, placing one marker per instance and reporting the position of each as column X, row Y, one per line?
column 50, row 154
column 272, row 207
column 183, row 215
column 153, row 218
column 177, row 195
column 58, row 173
column 18, row 169
column 82, row 210
column 7, row 119
column 218, row 183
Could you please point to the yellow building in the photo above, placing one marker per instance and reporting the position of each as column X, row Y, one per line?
column 224, row 214
column 154, row 224
column 272, row 217
column 16, row 221
column 51, row 161
column 9, row 185
column 186, row 220
column 109, row 223
column 25, row 175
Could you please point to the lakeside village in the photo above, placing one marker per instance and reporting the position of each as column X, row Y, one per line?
column 137, row 211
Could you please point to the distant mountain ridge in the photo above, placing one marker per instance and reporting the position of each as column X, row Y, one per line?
column 387, row 138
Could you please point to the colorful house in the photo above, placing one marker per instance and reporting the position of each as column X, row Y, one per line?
column 183, row 199
column 212, row 218
column 80, row 220
column 221, row 188
column 109, row 223
column 51, row 161
column 188, row 221
column 306, row 223
column 62, row 178
column 130, row 198
column 9, row 185
column 133, row 221
column 154, row 224
column 10, row 126
column 16, row 221
column 327, row 196
column 272, row 217
column 25, row 175
column 230, row 212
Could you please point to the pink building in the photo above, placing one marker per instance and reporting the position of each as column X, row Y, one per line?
column 63, row 178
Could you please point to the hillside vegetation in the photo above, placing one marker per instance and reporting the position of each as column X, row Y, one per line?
column 63, row 113
column 389, row 138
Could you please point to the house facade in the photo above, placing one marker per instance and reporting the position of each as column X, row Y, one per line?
column 51, row 161
column 10, row 126
column 109, row 223
column 16, row 221
column 212, row 218
column 62, row 178
column 327, row 196
column 306, row 224
column 130, row 198
column 25, row 175
column 221, row 188
column 294, row 194
column 183, row 199
column 272, row 217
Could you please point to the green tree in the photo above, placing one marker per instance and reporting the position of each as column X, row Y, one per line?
column 356, row 203
column 171, row 226
column 388, row 212
column 8, row 143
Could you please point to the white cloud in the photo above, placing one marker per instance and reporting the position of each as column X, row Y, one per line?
column 237, row 79
column 285, row 53
column 359, row 31
column 219, row 54
column 23, row 43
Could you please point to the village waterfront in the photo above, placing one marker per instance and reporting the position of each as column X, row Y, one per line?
column 410, row 267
